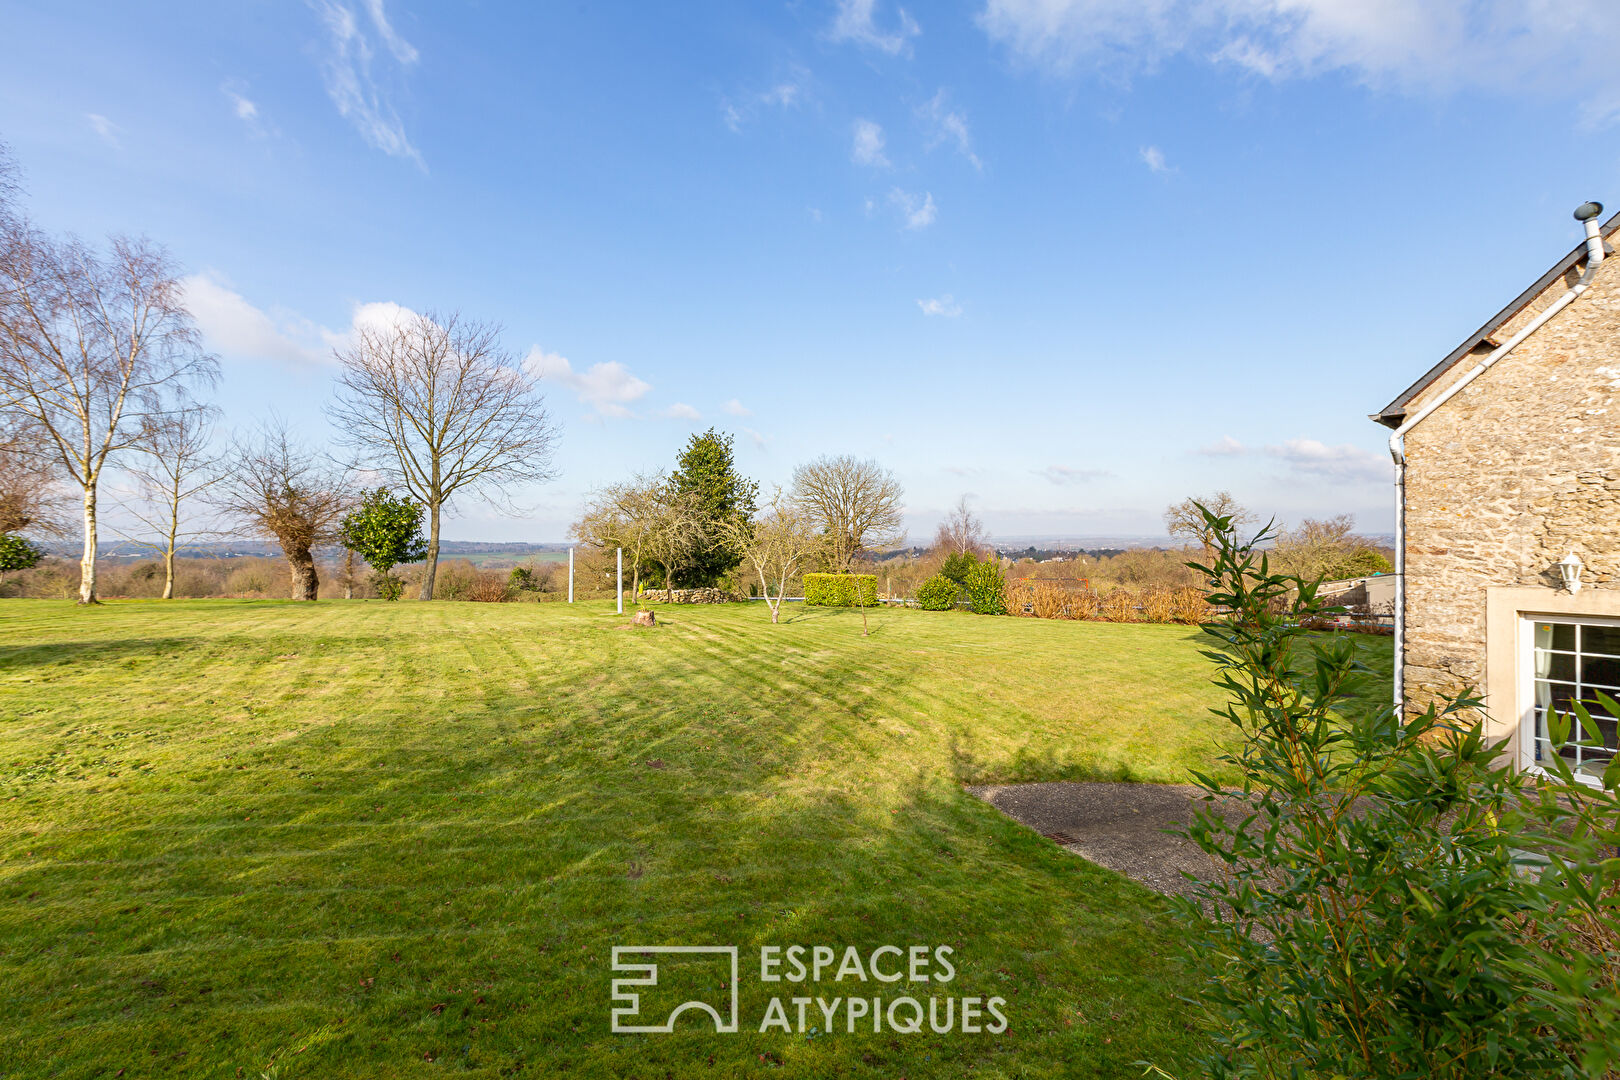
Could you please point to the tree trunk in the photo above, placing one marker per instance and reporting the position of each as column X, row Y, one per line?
column 305, row 585
column 87, row 564
column 168, row 554
column 348, row 574
column 430, row 569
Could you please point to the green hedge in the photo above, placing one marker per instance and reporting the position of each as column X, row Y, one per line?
column 840, row 590
column 938, row 593
column 987, row 589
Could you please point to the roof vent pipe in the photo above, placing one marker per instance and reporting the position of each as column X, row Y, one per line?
column 1587, row 214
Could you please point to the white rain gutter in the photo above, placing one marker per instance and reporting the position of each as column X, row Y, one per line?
column 1587, row 214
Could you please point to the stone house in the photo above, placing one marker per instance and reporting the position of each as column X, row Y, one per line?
column 1508, row 507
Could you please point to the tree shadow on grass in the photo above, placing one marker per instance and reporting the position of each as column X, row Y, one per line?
column 91, row 652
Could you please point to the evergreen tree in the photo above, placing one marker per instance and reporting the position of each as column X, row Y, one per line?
column 707, row 472
column 386, row 531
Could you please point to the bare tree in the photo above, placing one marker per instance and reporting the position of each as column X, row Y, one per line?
column 1183, row 521
column 88, row 345
column 440, row 408
column 281, row 488
column 173, row 465
column 30, row 497
column 777, row 543
column 856, row 503
column 676, row 533
column 625, row 516
column 961, row 532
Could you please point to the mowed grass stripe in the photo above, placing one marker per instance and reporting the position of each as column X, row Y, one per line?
column 552, row 783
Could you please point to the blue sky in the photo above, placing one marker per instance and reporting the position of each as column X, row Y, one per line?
column 1073, row 258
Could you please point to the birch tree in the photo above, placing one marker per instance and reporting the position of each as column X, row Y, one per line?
column 173, row 465
column 437, row 407
column 89, row 344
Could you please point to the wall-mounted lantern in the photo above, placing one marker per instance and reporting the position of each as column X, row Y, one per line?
column 1569, row 568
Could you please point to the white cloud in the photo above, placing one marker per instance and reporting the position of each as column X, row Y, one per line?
column 1506, row 46
column 104, row 128
column 1065, row 475
column 1226, row 446
column 235, row 328
column 868, row 146
column 755, row 437
column 949, row 126
column 246, row 109
column 918, row 210
column 736, row 408
column 945, row 305
column 608, row 387
column 1153, row 158
column 782, row 95
column 856, row 22
column 682, row 411
column 1344, row 462
column 351, row 78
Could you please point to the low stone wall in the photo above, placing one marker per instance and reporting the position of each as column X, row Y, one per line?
column 689, row 596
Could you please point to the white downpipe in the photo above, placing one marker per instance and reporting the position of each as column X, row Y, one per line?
column 1397, row 440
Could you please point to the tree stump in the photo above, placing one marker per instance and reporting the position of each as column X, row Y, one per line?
column 644, row 618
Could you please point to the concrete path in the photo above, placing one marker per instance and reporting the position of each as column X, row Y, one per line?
column 1120, row 826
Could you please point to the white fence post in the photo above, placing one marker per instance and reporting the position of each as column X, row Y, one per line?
column 621, row 580
column 570, row 575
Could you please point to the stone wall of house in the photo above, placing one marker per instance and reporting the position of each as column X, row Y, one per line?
column 1517, row 470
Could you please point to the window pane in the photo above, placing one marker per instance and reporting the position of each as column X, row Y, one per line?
column 1597, row 638
column 1601, row 670
column 1556, row 666
column 1563, row 636
column 1556, row 695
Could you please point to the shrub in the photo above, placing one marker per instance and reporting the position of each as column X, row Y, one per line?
column 1117, row 606
column 938, row 593
column 1157, row 605
column 1189, row 606
column 957, row 567
column 1372, row 915
column 489, row 588
column 840, row 590
column 18, row 554
column 987, row 589
column 522, row 579
column 389, row 586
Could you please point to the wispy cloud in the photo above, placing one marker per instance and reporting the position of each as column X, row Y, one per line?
column 755, row 437
column 1500, row 46
column 945, row 306
column 1344, row 462
column 918, row 210
column 785, row 94
column 1153, row 158
column 867, row 148
column 949, row 126
column 609, row 388
column 1066, row 476
column 105, row 128
column 856, row 22
column 736, row 408
column 351, row 73
column 1225, row 446
column 682, row 411
column 246, row 109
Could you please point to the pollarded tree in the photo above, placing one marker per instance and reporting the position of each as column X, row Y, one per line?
column 856, row 503
column 89, row 345
column 440, row 409
column 386, row 531
column 706, row 477
column 281, row 488
column 776, row 545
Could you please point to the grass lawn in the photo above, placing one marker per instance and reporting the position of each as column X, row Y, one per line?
column 250, row 839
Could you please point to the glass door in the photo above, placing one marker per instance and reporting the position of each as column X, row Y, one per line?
column 1568, row 659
